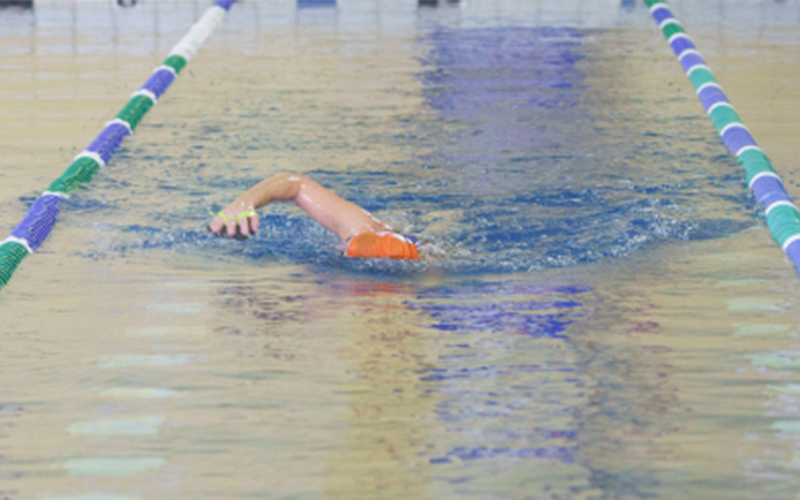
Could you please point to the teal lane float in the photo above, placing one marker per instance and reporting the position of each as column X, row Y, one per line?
column 783, row 217
column 41, row 217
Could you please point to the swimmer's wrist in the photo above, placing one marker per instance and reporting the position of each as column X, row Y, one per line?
column 242, row 203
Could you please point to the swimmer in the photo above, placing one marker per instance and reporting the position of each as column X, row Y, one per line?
column 362, row 234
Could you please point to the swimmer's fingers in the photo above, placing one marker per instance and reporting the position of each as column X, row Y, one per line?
column 244, row 227
column 239, row 225
column 248, row 223
column 231, row 227
column 216, row 225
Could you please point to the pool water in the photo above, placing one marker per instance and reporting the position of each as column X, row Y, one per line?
column 600, row 313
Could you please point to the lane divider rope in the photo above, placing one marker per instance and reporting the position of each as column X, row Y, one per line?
column 782, row 215
column 31, row 232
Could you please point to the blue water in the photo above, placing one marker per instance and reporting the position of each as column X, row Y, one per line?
column 561, row 339
column 477, row 388
column 540, row 168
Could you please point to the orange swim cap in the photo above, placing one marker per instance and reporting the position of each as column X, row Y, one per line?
column 382, row 245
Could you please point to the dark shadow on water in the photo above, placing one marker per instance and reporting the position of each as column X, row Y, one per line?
column 18, row 4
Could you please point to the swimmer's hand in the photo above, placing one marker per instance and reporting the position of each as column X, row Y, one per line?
column 235, row 221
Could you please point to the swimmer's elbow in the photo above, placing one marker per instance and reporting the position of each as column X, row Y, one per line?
column 288, row 177
column 287, row 185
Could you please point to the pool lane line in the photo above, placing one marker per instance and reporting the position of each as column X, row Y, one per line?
column 31, row 232
column 782, row 215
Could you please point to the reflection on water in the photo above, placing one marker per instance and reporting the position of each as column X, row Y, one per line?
column 507, row 386
column 601, row 313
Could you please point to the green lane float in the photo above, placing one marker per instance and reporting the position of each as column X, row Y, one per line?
column 782, row 215
column 34, row 228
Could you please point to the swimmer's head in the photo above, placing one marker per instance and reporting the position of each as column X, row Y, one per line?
column 387, row 245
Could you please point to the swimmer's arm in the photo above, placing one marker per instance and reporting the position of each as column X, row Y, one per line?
column 344, row 218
